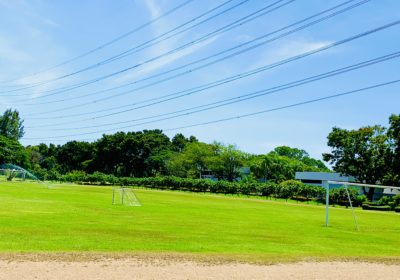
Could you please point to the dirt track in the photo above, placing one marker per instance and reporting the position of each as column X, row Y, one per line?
column 150, row 268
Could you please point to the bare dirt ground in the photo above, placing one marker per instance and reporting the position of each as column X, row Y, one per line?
column 63, row 268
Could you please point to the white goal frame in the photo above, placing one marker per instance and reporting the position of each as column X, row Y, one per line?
column 326, row 185
column 125, row 196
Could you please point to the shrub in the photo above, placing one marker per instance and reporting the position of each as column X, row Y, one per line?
column 396, row 200
column 366, row 206
column 339, row 196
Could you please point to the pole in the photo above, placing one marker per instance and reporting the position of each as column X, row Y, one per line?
column 352, row 209
column 113, row 196
column 325, row 184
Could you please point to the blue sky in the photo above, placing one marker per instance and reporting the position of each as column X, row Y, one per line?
column 36, row 35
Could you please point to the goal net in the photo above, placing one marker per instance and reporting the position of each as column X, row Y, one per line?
column 10, row 172
column 125, row 196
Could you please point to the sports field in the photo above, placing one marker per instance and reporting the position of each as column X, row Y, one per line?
column 71, row 218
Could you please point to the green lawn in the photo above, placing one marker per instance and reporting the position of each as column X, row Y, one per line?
column 65, row 218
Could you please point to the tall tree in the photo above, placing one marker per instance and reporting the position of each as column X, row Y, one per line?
column 132, row 153
column 394, row 138
column 195, row 159
column 300, row 155
column 11, row 125
column 11, row 151
column 75, row 155
column 228, row 161
column 362, row 153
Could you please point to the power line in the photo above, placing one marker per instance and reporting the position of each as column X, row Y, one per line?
column 107, row 43
column 289, row 106
column 214, row 55
column 201, row 88
column 263, row 111
column 244, row 97
column 145, row 44
column 182, row 47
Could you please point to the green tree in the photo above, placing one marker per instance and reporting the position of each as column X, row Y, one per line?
column 260, row 166
column 277, row 168
column 179, row 142
column 227, row 162
column 11, row 125
column 195, row 159
column 131, row 154
column 393, row 178
column 11, row 151
column 362, row 153
column 291, row 152
column 74, row 155
column 301, row 155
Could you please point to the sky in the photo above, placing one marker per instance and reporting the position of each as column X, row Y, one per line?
column 61, row 67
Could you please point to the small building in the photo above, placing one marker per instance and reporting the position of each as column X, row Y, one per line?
column 322, row 178
column 317, row 178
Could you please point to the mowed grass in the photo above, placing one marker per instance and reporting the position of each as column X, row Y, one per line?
column 70, row 218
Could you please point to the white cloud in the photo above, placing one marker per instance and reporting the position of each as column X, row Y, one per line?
column 153, row 8
column 160, row 27
column 153, row 66
column 287, row 50
column 298, row 47
column 43, row 77
column 11, row 54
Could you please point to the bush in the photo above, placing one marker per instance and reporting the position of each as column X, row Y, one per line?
column 289, row 189
column 339, row 196
column 267, row 189
column 396, row 200
column 366, row 206
column 360, row 199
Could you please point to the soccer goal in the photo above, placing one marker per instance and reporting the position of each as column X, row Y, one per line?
column 10, row 172
column 125, row 196
column 327, row 184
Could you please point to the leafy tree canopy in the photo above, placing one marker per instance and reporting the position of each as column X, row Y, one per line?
column 11, row 151
column 11, row 125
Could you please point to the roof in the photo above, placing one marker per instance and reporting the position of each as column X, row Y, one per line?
column 323, row 176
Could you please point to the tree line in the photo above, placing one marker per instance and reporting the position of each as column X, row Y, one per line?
column 371, row 154
column 150, row 153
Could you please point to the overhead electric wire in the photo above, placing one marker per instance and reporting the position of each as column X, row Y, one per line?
column 180, row 48
column 147, row 43
column 268, row 110
column 241, row 98
column 288, row 106
column 258, row 112
column 214, row 55
column 102, row 46
column 201, row 88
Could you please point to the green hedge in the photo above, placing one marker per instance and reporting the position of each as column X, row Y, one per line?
column 288, row 189
column 366, row 206
column 291, row 189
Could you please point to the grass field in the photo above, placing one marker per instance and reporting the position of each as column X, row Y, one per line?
column 66, row 218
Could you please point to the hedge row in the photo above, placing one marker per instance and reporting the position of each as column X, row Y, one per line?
column 367, row 206
column 289, row 189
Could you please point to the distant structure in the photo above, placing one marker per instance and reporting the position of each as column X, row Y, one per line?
column 332, row 180
column 318, row 178
column 336, row 180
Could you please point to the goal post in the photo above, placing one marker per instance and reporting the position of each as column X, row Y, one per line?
column 11, row 174
column 326, row 185
column 125, row 196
